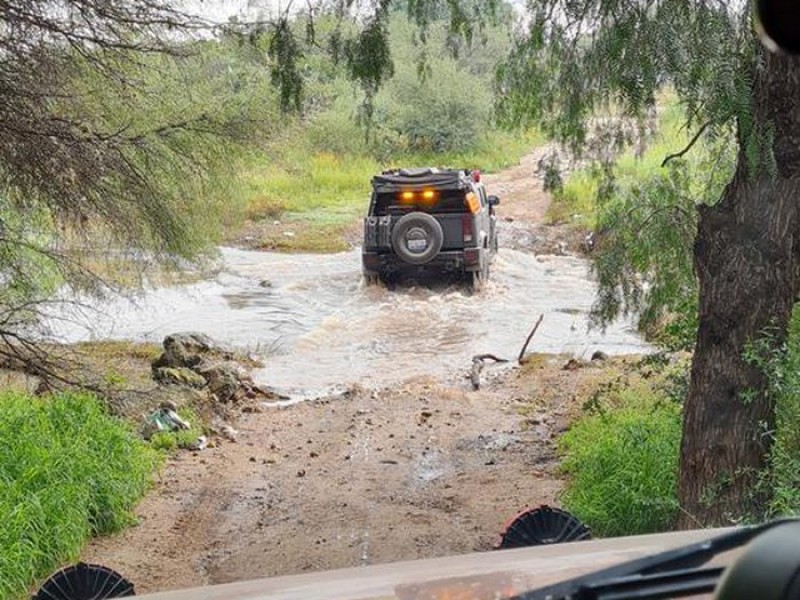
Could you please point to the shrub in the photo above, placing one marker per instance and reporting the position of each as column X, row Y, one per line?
column 449, row 111
column 782, row 369
column 336, row 131
column 622, row 466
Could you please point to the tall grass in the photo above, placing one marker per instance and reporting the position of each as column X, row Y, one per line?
column 67, row 471
column 621, row 462
column 621, row 458
column 783, row 371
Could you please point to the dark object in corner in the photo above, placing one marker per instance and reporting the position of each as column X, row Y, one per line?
column 84, row 582
column 543, row 525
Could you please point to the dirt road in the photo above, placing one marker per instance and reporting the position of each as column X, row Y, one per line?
column 420, row 470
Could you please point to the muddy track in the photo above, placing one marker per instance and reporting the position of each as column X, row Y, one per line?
column 422, row 469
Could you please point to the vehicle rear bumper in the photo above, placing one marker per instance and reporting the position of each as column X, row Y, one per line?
column 454, row 261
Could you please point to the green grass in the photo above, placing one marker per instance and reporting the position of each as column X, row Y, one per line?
column 784, row 375
column 67, row 471
column 169, row 441
column 621, row 462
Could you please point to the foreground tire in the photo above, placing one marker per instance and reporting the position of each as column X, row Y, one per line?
column 541, row 526
column 417, row 238
column 84, row 582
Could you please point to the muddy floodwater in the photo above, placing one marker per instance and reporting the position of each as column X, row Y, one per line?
column 319, row 327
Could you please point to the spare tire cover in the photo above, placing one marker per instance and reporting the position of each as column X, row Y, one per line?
column 417, row 238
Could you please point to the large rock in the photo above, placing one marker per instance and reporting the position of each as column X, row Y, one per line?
column 178, row 376
column 194, row 360
column 185, row 350
column 224, row 378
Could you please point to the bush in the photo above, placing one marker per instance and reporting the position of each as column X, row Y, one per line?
column 622, row 466
column 418, row 116
column 783, row 372
column 67, row 471
column 448, row 109
column 336, row 131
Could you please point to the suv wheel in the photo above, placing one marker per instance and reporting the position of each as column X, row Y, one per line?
column 478, row 279
column 417, row 238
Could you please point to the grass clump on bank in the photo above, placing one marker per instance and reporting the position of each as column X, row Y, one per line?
column 621, row 456
column 783, row 371
column 621, row 460
column 68, row 471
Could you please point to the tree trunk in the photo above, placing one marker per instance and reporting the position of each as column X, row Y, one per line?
column 746, row 257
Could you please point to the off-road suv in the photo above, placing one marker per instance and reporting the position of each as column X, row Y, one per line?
column 429, row 220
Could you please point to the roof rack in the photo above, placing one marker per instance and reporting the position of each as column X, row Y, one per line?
column 392, row 180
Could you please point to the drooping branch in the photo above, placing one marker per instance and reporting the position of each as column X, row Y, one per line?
column 688, row 147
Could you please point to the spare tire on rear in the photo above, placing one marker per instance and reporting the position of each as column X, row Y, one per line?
column 417, row 238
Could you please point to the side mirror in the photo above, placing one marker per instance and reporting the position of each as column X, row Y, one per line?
column 778, row 24
column 493, row 200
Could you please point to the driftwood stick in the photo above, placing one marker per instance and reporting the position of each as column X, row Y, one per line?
column 492, row 357
column 530, row 337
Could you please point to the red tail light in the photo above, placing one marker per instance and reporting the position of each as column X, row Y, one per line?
column 466, row 228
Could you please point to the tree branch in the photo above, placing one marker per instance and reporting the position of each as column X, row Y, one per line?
column 530, row 336
column 688, row 147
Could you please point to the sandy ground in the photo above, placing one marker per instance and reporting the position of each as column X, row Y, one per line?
column 420, row 470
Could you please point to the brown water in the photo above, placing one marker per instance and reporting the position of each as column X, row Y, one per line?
column 319, row 327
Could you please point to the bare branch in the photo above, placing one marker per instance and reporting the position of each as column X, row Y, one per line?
column 530, row 337
column 688, row 147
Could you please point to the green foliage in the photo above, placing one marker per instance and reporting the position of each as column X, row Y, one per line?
column 180, row 120
column 444, row 111
column 369, row 59
column 559, row 74
column 622, row 462
column 144, row 163
column 285, row 52
column 645, row 218
column 67, row 471
column 411, row 116
column 336, row 131
column 781, row 365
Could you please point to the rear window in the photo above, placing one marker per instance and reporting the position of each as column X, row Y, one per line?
column 443, row 201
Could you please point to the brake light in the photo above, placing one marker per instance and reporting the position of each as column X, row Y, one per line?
column 407, row 196
column 466, row 227
column 472, row 203
column 428, row 195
